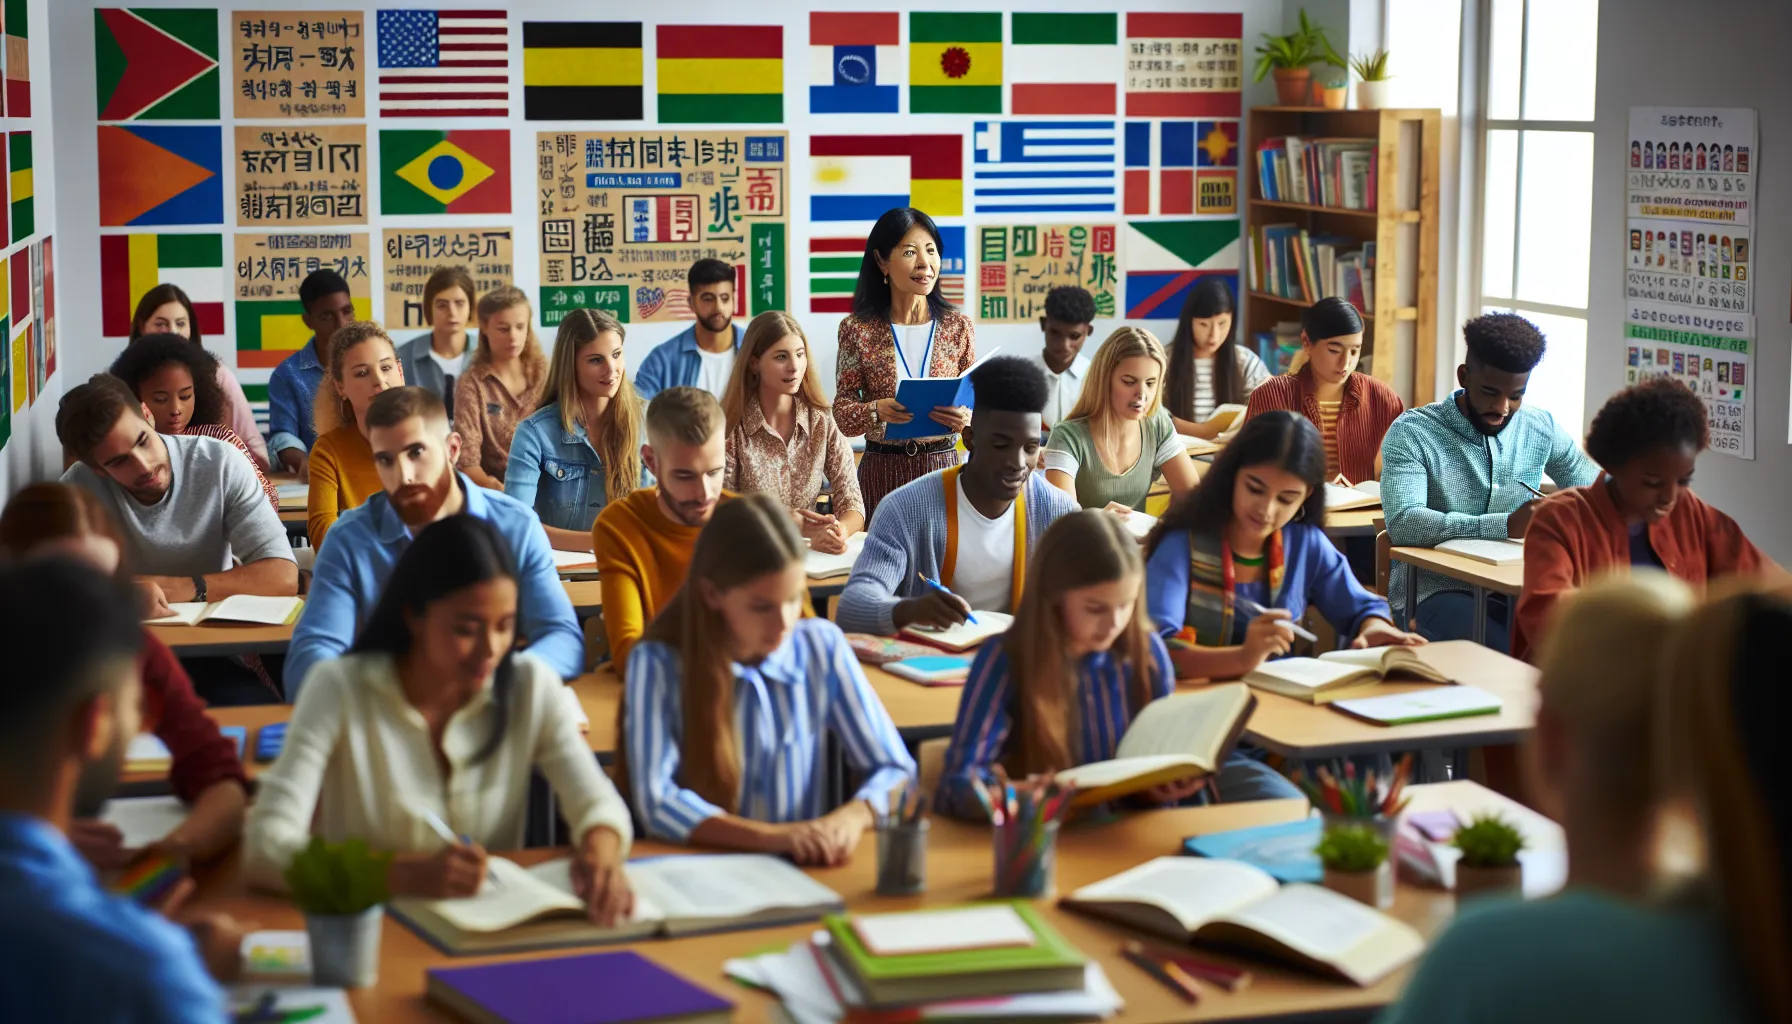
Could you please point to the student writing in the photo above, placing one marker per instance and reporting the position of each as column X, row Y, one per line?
column 1118, row 436
column 431, row 712
column 572, row 455
column 166, row 309
column 438, row 358
column 501, row 388
column 1208, row 367
column 362, row 366
column 701, row 355
column 292, row 388
column 731, row 698
column 782, row 438
column 1067, row 322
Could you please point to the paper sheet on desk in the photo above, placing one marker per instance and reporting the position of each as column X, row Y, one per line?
column 145, row 819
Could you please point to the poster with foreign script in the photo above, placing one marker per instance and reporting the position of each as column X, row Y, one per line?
column 269, row 270
column 1690, row 186
column 303, row 64
column 623, row 215
column 301, row 176
column 1018, row 264
column 412, row 254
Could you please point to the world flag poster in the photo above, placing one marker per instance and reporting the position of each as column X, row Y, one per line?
column 1172, row 167
column 1164, row 259
column 160, row 175
column 21, row 185
column 269, row 270
column 156, row 64
column 130, row 265
column 17, row 15
column 444, row 63
column 413, row 254
column 431, row 172
column 858, row 177
column 1184, row 65
column 1033, row 167
column 43, row 266
column 1064, row 64
column 582, row 71
column 710, row 74
column 1018, row 264
column 855, row 64
column 955, row 62
column 834, row 263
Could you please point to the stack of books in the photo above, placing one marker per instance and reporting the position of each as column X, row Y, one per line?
column 1318, row 172
column 1278, row 348
column 1293, row 263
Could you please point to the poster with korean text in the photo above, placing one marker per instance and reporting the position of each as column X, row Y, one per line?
column 299, row 64
column 1711, row 353
column 412, row 254
column 1018, row 264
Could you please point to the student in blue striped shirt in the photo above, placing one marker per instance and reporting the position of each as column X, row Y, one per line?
column 1062, row 685
column 730, row 699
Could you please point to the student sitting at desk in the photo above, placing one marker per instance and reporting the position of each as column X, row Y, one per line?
column 293, row 387
column 207, row 773
column 583, row 447
column 1458, row 468
column 177, row 381
column 439, row 357
column 731, row 698
column 1641, row 510
column 1703, row 685
column 1228, row 569
column 1119, row 421
column 166, row 309
column 73, row 951
column 1352, row 410
column 362, row 364
column 1208, row 367
column 782, row 438
column 413, row 451
column 967, row 528
column 1067, row 322
column 644, row 539
column 431, row 721
column 501, row 388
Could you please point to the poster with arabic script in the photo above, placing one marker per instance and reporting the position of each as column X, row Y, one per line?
column 412, row 254
column 301, row 175
column 1018, row 264
column 1690, row 186
column 623, row 215
column 304, row 64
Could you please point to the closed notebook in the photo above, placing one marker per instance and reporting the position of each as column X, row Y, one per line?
column 1189, row 899
column 1431, row 704
column 618, row 987
column 965, row 635
column 1048, row 964
column 820, row 565
column 933, row 669
column 1338, row 674
column 1284, row 851
column 143, row 820
column 1337, row 498
column 1493, row 552
column 238, row 608
column 1181, row 736
column 1137, row 523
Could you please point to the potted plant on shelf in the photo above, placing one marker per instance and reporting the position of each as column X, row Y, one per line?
column 341, row 888
column 1291, row 57
column 1372, row 69
column 1489, row 863
column 1356, row 864
column 1336, row 92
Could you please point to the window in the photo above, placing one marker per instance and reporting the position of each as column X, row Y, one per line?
column 1537, row 84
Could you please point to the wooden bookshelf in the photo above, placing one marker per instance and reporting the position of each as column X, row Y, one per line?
column 1400, row 337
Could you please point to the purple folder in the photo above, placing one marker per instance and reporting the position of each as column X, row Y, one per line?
column 596, row 988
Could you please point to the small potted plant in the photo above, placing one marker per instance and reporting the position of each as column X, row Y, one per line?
column 1356, row 864
column 341, row 888
column 1372, row 70
column 1336, row 92
column 1291, row 57
column 1489, row 862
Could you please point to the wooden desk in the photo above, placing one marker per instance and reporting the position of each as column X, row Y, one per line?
column 250, row 718
column 223, row 639
column 600, row 694
column 920, row 712
column 1355, row 522
column 1296, row 729
column 587, row 596
column 958, row 871
column 1480, row 577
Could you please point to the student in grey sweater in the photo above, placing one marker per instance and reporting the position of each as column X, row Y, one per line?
column 968, row 527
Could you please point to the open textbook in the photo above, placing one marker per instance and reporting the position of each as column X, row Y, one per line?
column 966, row 634
column 820, row 565
column 1182, row 736
column 534, row 908
column 264, row 611
column 1335, row 675
column 1193, row 899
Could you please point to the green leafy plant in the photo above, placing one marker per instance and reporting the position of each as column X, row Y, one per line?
column 1489, row 841
column 1371, row 67
column 1298, row 49
column 1351, row 848
column 338, row 878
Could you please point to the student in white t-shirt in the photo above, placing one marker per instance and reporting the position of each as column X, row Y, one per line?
column 1208, row 367
column 1068, row 321
column 438, row 358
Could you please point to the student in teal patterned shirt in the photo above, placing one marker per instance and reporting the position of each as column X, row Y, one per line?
column 1458, row 468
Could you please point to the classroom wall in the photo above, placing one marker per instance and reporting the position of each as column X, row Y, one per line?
column 30, row 450
column 74, row 80
column 1731, row 54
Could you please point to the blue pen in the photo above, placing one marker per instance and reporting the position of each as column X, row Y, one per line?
column 969, row 615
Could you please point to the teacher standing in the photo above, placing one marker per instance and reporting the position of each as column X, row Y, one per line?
column 900, row 328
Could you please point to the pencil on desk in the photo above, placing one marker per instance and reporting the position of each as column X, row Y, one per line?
column 1172, row 978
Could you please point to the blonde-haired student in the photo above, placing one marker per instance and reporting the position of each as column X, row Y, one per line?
column 782, row 438
column 570, row 457
column 361, row 363
column 501, row 388
column 1118, row 438
column 731, row 698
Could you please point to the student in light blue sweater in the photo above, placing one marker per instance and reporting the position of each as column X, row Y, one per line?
column 1458, row 468
column 968, row 527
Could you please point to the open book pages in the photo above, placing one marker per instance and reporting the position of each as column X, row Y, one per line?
column 1173, row 738
column 265, row 611
column 1228, row 415
column 1338, row 674
column 1338, row 498
column 822, row 566
column 1137, row 523
column 1493, row 552
column 147, row 753
column 965, row 635
column 1173, row 896
column 574, row 561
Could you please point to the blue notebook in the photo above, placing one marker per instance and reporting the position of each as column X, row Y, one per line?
column 919, row 395
column 236, row 734
column 596, row 988
column 1285, row 851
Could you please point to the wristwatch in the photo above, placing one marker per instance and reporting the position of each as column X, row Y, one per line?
column 199, row 589
column 876, row 417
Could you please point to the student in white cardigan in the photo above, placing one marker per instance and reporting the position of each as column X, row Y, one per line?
column 431, row 712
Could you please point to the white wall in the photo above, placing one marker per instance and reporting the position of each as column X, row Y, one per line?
column 1730, row 54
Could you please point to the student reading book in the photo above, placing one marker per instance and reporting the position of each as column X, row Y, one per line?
column 432, row 720
column 361, row 364
column 1118, row 438
column 1208, row 367
column 731, row 697
column 1081, row 663
column 1640, row 512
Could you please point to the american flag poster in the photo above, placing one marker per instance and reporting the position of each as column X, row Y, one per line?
column 444, row 64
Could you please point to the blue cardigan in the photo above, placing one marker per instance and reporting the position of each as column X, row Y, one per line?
column 1314, row 573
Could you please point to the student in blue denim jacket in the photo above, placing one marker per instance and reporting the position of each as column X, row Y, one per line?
column 571, row 455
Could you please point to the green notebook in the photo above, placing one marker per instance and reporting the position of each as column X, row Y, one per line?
column 1428, row 705
column 1049, row 964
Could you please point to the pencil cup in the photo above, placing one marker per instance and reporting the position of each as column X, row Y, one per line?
column 1383, row 825
column 1026, row 858
column 902, row 858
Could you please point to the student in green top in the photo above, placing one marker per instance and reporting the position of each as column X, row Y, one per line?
column 1626, row 657
column 1120, row 422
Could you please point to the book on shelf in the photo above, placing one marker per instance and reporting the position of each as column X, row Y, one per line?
column 1335, row 675
column 1338, row 173
column 1293, row 263
column 1047, row 962
column 1185, row 735
column 1277, row 348
column 1189, row 899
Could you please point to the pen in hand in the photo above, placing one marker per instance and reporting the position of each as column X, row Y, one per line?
column 969, row 615
column 446, row 834
column 1253, row 609
column 1533, row 490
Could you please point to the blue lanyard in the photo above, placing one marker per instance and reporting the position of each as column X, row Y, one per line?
column 926, row 353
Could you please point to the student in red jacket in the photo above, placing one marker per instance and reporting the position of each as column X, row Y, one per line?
column 54, row 519
column 1641, row 510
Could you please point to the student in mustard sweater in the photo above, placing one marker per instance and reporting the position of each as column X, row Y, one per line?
column 1640, row 512
column 360, row 364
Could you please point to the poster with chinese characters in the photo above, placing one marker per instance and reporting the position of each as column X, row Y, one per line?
column 301, row 176
column 1689, row 293
column 624, row 214
column 269, row 270
column 305, row 64
column 1018, row 264
column 412, row 254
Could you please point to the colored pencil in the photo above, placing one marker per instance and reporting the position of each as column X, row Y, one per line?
column 1178, row 982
